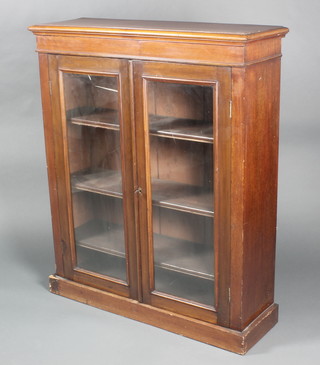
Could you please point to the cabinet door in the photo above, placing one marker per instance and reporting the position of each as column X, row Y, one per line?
column 183, row 147
column 92, row 127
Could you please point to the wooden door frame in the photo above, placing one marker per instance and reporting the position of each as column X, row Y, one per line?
column 103, row 67
column 220, row 77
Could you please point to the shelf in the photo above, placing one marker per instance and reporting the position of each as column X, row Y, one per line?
column 101, row 263
column 108, row 119
column 192, row 289
column 171, row 254
column 182, row 197
column 106, row 182
column 166, row 194
column 102, row 237
column 183, row 256
column 178, row 128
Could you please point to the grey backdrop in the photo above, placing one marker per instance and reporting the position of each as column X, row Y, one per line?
column 37, row 327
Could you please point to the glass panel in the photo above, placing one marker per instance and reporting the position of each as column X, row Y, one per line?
column 181, row 157
column 95, row 172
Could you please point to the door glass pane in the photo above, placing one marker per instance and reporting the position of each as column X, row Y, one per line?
column 181, row 157
column 93, row 133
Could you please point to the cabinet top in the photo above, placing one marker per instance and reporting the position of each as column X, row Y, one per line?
column 212, row 31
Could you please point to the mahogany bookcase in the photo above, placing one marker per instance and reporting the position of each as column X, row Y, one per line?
column 162, row 150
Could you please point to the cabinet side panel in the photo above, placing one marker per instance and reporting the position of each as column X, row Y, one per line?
column 261, row 175
column 52, row 179
column 59, row 167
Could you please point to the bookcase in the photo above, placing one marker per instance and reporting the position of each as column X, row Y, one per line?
column 162, row 149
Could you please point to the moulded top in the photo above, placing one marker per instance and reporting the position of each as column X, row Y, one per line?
column 214, row 31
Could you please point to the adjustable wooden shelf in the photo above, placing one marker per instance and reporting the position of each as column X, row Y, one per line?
column 162, row 150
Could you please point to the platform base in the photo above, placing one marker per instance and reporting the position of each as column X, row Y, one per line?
column 225, row 338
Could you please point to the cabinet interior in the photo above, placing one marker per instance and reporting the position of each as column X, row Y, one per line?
column 180, row 124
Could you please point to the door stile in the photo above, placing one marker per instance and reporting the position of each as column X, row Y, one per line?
column 141, row 186
column 136, row 191
column 222, row 181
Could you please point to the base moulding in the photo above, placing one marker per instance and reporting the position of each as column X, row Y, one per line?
column 212, row 334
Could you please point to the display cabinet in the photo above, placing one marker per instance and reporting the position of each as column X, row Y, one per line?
column 162, row 148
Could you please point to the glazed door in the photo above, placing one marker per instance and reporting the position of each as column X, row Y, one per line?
column 182, row 123
column 93, row 107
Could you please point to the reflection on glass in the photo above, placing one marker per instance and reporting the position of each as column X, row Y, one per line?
column 91, row 104
column 181, row 157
